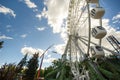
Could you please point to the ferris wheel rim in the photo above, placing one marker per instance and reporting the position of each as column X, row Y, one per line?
column 86, row 6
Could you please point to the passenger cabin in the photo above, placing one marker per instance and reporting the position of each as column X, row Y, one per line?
column 98, row 32
column 97, row 12
column 97, row 51
column 92, row 1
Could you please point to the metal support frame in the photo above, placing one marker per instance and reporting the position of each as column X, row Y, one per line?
column 85, row 40
column 42, row 56
column 89, row 34
column 114, row 42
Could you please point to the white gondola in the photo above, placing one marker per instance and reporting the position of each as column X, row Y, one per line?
column 98, row 32
column 92, row 1
column 97, row 51
column 97, row 12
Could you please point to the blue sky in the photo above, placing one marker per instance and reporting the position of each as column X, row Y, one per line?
column 34, row 25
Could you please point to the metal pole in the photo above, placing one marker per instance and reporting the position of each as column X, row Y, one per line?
column 89, row 21
column 38, row 75
column 100, row 22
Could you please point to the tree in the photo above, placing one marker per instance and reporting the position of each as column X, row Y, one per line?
column 102, row 69
column 21, row 64
column 1, row 44
column 7, row 72
column 31, row 68
column 59, row 70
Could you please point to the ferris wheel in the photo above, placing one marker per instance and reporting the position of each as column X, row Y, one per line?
column 81, row 15
column 84, row 57
column 80, row 30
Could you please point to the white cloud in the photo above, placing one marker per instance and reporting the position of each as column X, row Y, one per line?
column 5, row 37
column 24, row 36
column 8, row 26
column 49, row 56
column 49, row 60
column 64, row 34
column 39, row 16
column 40, row 28
column 31, row 51
column 56, row 13
column 116, row 18
column 30, row 4
column 60, row 48
column 35, row 10
column 6, row 11
column 42, row 14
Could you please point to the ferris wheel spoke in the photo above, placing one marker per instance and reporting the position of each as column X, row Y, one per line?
column 79, row 49
column 85, row 40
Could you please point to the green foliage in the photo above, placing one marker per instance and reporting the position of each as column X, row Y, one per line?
column 8, row 72
column 21, row 64
column 48, row 70
column 11, row 71
column 94, row 75
column 41, row 73
column 31, row 68
column 51, row 72
column 110, row 68
column 106, row 74
column 58, row 71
